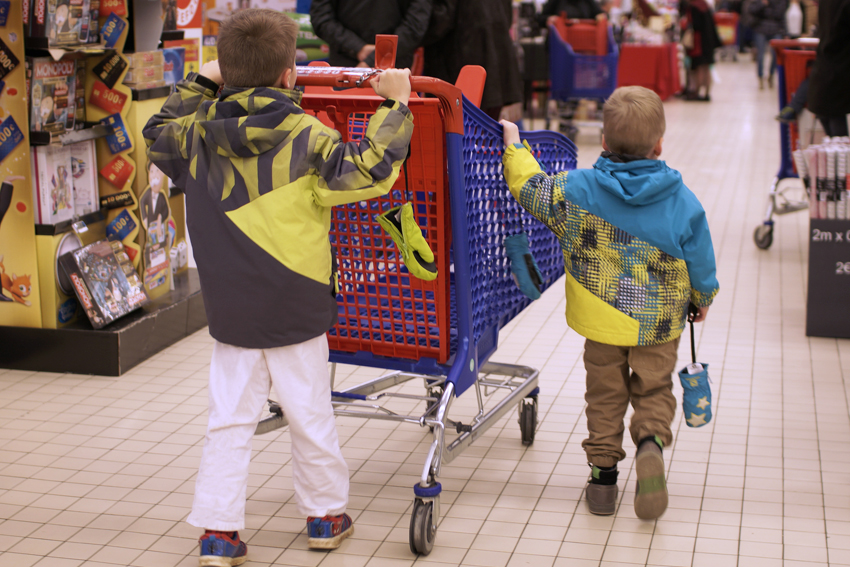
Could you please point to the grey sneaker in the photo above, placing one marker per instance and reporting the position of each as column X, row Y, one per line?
column 602, row 498
column 651, row 491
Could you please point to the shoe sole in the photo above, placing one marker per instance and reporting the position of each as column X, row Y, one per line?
column 651, row 490
column 217, row 561
column 329, row 542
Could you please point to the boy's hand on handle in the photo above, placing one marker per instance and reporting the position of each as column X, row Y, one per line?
column 211, row 71
column 394, row 84
column 697, row 314
column 511, row 134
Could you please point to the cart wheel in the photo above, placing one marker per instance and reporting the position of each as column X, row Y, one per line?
column 528, row 420
column 763, row 236
column 422, row 530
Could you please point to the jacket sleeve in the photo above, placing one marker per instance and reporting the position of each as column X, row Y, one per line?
column 699, row 257
column 356, row 171
column 410, row 31
column 330, row 29
column 166, row 133
column 537, row 193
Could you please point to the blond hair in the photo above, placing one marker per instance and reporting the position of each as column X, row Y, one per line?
column 633, row 121
column 255, row 47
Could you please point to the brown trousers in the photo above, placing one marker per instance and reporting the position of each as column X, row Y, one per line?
column 610, row 388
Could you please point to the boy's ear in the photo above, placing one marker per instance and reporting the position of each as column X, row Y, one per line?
column 657, row 148
column 287, row 78
column 604, row 144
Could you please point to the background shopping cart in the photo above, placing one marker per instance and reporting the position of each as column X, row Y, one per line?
column 727, row 29
column 444, row 331
column 792, row 60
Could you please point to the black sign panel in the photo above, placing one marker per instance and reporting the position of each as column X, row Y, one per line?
column 828, row 312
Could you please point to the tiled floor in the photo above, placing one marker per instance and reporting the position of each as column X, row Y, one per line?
column 99, row 471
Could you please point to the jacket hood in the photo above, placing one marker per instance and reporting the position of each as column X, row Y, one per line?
column 637, row 182
column 244, row 123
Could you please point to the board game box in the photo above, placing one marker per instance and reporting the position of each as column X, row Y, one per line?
column 104, row 281
column 52, row 87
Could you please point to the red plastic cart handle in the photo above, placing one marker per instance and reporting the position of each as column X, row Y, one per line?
column 451, row 99
column 780, row 45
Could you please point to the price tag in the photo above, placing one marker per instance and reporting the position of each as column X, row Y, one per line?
column 118, row 200
column 112, row 29
column 110, row 100
column 117, row 171
column 121, row 227
column 5, row 6
column 119, row 140
column 110, row 69
column 117, row 7
column 10, row 137
column 8, row 61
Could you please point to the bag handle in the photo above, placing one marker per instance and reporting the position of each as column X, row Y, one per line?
column 693, row 310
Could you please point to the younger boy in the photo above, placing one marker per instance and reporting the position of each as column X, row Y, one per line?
column 637, row 250
column 260, row 177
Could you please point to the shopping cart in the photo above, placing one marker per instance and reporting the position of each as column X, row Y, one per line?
column 727, row 29
column 792, row 60
column 445, row 331
column 583, row 58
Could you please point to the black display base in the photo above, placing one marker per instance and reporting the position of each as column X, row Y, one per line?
column 828, row 306
column 116, row 348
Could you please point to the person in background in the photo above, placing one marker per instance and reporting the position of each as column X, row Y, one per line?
column 475, row 32
column 829, row 83
column 768, row 17
column 575, row 9
column 699, row 19
column 350, row 26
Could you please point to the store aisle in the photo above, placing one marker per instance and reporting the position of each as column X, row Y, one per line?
column 99, row 471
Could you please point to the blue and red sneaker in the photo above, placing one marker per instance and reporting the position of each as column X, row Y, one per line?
column 222, row 549
column 328, row 532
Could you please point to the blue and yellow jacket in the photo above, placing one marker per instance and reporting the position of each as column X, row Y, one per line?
column 260, row 177
column 636, row 244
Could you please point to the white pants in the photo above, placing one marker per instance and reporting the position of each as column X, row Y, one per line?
column 240, row 382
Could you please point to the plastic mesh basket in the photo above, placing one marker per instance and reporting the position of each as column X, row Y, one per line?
column 492, row 214
column 382, row 309
column 576, row 76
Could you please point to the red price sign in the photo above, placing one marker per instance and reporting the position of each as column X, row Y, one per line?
column 110, row 100
column 117, row 7
column 117, row 171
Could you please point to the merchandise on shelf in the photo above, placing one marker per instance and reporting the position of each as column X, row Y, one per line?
column 825, row 170
column 64, row 23
column 80, row 96
column 53, row 185
column 175, row 59
column 145, row 59
column 84, row 172
column 105, row 281
column 191, row 56
column 51, row 88
column 144, row 75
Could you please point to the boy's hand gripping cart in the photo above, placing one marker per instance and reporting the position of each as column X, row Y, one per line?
column 792, row 63
column 442, row 331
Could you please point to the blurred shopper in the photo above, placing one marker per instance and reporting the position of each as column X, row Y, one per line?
column 829, row 84
column 475, row 32
column 768, row 22
column 350, row 26
column 700, row 39
column 575, row 9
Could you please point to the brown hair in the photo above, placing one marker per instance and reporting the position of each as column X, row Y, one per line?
column 255, row 47
column 633, row 121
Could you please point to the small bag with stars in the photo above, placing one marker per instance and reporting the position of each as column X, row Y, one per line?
column 696, row 402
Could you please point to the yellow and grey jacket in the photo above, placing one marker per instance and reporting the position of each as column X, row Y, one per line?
column 635, row 240
column 260, row 177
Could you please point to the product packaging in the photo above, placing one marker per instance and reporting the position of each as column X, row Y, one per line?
column 52, row 88
column 84, row 172
column 104, row 281
column 53, row 184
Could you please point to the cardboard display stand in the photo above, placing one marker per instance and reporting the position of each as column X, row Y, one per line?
column 20, row 293
column 828, row 306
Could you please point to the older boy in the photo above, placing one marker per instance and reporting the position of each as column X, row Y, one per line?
column 260, row 177
column 637, row 250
